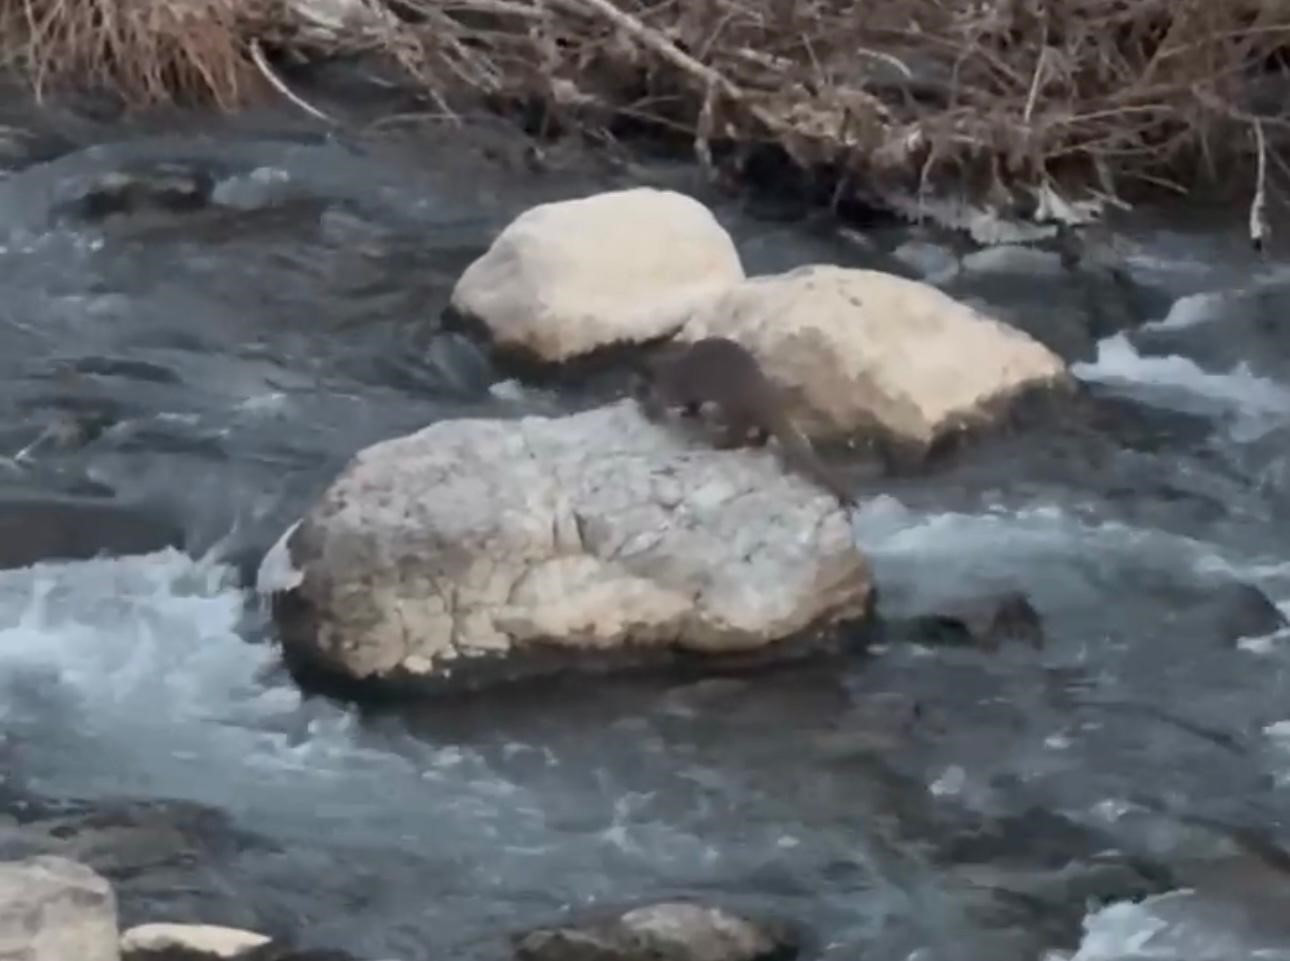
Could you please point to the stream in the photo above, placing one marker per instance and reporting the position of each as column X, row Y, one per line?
column 212, row 368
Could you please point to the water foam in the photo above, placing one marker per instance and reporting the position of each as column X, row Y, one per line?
column 132, row 676
column 1178, row 383
column 1065, row 559
column 1175, row 926
column 136, row 656
column 1192, row 310
column 973, row 548
column 1209, row 306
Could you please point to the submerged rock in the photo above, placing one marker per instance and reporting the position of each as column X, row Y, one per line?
column 261, row 187
column 862, row 349
column 568, row 277
column 669, row 931
column 53, row 909
column 1066, row 305
column 1232, row 612
column 479, row 546
column 934, row 263
column 884, row 721
column 1014, row 259
column 984, row 622
column 459, row 365
column 174, row 187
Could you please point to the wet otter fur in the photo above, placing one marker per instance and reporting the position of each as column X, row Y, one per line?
column 722, row 372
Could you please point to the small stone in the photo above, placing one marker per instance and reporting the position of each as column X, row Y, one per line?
column 262, row 187
column 146, row 941
column 984, row 622
column 1014, row 259
column 932, row 262
column 53, row 909
column 668, row 931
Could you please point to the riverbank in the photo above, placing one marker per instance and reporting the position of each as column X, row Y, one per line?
column 918, row 107
column 205, row 317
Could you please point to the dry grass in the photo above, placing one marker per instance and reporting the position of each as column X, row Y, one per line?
column 1007, row 96
column 147, row 51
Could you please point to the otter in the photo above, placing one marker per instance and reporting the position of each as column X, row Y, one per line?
column 723, row 372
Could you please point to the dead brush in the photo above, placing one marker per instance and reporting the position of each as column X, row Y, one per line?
column 146, row 51
column 1009, row 97
column 1018, row 102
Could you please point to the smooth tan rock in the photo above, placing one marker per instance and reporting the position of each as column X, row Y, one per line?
column 53, row 909
column 568, row 277
column 858, row 348
column 599, row 531
column 144, row 940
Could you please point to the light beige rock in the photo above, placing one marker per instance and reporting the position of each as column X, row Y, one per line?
column 697, row 932
column 669, row 931
column 144, row 939
column 53, row 909
column 597, row 531
column 856, row 348
column 568, row 277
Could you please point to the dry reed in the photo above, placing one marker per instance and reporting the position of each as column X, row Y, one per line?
column 146, row 51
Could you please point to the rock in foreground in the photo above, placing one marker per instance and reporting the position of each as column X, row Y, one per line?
column 862, row 349
column 206, row 942
column 568, row 277
column 671, row 931
column 147, row 941
column 53, row 909
column 474, row 543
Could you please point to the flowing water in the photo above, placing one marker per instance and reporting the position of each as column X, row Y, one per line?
column 221, row 364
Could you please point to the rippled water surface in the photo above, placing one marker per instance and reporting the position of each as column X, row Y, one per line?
column 219, row 365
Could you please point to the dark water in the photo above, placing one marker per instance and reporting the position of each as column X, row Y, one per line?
column 219, row 366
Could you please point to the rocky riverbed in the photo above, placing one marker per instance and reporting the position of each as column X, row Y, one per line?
column 1066, row 734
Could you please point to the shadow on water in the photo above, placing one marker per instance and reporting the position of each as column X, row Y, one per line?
column 209, row 365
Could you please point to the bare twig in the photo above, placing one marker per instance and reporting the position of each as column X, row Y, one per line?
column 257, row 57
column 1258, row 206
column 660, row 45
column 1034, row 85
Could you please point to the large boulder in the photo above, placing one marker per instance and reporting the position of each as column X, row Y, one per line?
column 53, row 909
column 599, row 533
column 569, row 277
column 862, row 350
